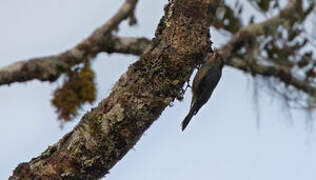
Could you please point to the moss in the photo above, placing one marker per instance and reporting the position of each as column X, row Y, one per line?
column 78, row 88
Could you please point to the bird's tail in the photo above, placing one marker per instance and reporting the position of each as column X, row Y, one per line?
column 187, row 119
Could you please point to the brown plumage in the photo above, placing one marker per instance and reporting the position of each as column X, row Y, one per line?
column 204, row 84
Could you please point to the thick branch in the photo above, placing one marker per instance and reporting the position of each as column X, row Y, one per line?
column 50, row 68
column 106, row 133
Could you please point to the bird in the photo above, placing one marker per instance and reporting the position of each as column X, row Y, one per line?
column 204, row 83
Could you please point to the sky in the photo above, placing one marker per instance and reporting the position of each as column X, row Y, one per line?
column 222, row 142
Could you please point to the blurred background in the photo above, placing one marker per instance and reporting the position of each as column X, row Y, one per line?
column 225, row 141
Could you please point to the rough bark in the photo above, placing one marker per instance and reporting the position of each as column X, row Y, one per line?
column 106, row 133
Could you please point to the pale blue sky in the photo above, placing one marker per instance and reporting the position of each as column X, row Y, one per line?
column 221, row 143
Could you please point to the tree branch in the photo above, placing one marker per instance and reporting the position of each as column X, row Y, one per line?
column 106, row 133
column 284, row 74
column 51, row 67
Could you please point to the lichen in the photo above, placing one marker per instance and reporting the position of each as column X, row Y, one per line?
column 95, row 124
column 115, row 115
column 170, row 12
